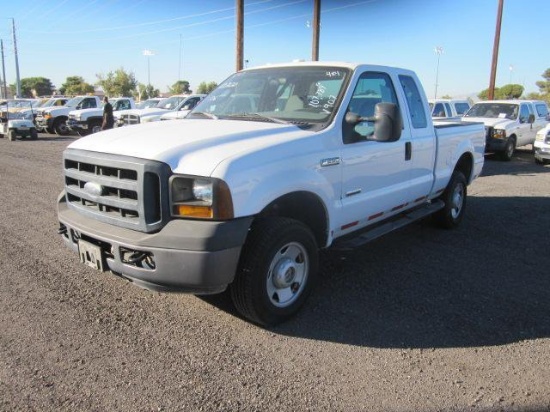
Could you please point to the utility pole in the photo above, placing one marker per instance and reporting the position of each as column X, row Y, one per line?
column 17, row 79
column 491, row 92
column 240, row 34
column 316, row 27
column 3, row 85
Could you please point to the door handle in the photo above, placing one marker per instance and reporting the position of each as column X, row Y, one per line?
column 408, row 150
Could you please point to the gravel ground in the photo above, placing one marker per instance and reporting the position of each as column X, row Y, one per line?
column 420, row 320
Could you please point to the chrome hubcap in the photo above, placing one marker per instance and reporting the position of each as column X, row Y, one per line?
column 457, row 201
column 287, row 274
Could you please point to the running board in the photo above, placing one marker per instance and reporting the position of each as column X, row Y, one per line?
column 394, row 223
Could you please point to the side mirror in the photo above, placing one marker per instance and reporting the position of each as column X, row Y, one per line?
column 387, row 122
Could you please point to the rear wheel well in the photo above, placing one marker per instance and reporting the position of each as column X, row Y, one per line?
column 465, row 164
column 305, row 207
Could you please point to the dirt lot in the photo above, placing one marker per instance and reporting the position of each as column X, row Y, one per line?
column 421, row 320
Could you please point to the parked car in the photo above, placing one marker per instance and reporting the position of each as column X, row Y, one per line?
column 508, row 124
column 151, row 114
column 542, row 145
column 273, row 165
column 183, row 108
column 448, row 108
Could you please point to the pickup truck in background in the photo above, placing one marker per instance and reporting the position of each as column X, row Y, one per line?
column 542, row 145
column 54, row 119
column 448, row 108
column 31, row 114
column 508, row 123
column 275, row 164
column 183, row 108
column 150, row 114
column 86, row 121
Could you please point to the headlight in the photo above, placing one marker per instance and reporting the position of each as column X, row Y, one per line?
column 200, row 198
column 47, row 115
column 499, row 134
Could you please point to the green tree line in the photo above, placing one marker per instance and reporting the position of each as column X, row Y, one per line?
column 114, row 83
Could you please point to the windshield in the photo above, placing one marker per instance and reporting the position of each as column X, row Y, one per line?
column 170, row 103
column 289, row 94
column 148, row 103
column 73, row 102
column 494, row 110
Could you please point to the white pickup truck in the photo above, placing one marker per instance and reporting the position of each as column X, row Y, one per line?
column 448, row 108
column 88, row 121
column 54, row 119
column 508, row 123
column 275, row 164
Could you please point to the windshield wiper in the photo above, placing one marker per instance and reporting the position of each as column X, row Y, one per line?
column 258, row 116
column 205, row 114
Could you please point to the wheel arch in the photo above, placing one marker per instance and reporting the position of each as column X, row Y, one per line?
column 465, row 164
column 305, row 207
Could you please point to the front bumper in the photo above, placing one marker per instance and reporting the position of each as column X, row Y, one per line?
column 495, row 145
column 198, row 257
column 542, row 151
column 76, row 125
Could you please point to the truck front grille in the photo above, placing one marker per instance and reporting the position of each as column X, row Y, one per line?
column 122, row 191
column 130, row 118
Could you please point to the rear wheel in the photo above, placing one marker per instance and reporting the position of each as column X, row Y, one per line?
column 454, row 198
column 277, row 271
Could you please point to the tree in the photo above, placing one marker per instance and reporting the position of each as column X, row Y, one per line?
column 544, row 85
column 75, row 85
column 118, row 83
column 145, row 92
column 506, row 92
column 34, row 87
column 180, row 87
column 510, row 91
column 205, row 88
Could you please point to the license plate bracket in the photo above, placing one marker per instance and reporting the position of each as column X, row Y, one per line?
column 91, row 255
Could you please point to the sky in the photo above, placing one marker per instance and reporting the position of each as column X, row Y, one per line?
column 195, row 40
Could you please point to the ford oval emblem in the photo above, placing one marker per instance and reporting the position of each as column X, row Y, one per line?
column 93, row 189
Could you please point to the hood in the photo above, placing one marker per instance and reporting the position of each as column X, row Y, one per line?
column 142, row 112
column 190, row 146
column 87, row 111
column 490, row 121
column 180, row 114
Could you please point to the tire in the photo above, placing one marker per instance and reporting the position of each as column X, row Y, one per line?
column 34, row 134
column 12, row 135
column 508, row 151
column 454, row 197
column 60, row 127
column 277, row 271
column 95, row 127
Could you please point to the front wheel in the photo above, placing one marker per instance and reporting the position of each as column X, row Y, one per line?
column 508, row 151
column 454, row 198
column 60, row 127
column 277, row 270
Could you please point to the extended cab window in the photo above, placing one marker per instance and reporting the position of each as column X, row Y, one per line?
column 542, row 110
column 524, row 113
column 414, row 101
column 371, row 88
column 438, row 110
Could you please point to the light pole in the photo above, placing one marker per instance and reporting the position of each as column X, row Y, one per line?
column 148, row 53
column 511, row 68
column 439, row 51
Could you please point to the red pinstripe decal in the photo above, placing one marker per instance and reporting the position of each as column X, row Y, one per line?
column 399, row 207
column 347, row 226
column 420, row 199
column 376, row 215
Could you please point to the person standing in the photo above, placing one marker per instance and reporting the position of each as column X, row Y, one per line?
column 108, row 119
